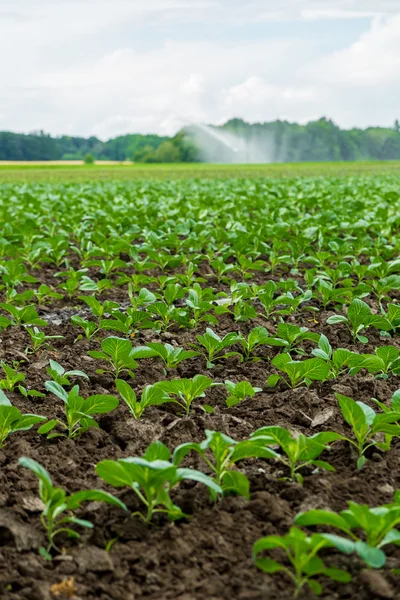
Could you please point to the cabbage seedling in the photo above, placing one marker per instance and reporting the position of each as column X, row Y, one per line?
column 26, row 315
column 90, row 328
column 40, row 340
column 12, row 377
column 58, row 513
column 359, row 317
column 240, row 391
column 212, row 347
column 152, row 395
column 298, row 372
column 385, row 361
column 379, row 527
column 152, row 477
column 78, row 411
column 337, row 359
column 366, row 426
column 61, row 376
column 258, row 336
column 186, row 390
column 170, row 356
column 12, row 420
column 299, row 451
column 302, row 553
column 128, row 323
column 224, row 453
column 289, row 336
column 118, row 353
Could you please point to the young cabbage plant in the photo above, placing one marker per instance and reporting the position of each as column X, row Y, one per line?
column 297, row 451
column 382, row 287
column 240, row 391
column 97, row 308
column 336, row 359
column 166, row 315
column 152, row 395
column 129, row 323
column 11, row 379
column 302, row 554
column 328, row 295
column 90, row 328
column 199, row 302
column 385, row 362
column 368, row 427
column 107, row 266
column 245, row 264
column 152, row 478
column 78, row 411
column 221, row 269
column 118, row 352
column 290, row 336
column 26, row 315
column 394, row 404
column 298, row 373
column 242, row 310
column 359, row 317
column 221, row 453
column 377, row 526
column 143, row 300
column 19, row 299
column 170, row 356
column 40, row 341
column 270, row 302
column 12, row 420
column 45, row 293
column 257, row 337
column 212, row 347
column 60, row 375
column 184, row 391
column 393, row 316
column 58, row 513
column 97, row 287
column 293, row 303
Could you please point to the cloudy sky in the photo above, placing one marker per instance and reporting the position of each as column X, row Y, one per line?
column 102, row 67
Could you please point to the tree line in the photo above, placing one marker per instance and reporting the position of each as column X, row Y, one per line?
column 277, row 141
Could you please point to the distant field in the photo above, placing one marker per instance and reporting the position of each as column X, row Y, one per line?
column 106, row 170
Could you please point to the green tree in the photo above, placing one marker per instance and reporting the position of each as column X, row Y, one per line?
column 88, row 159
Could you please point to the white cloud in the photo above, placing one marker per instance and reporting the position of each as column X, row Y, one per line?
column 73, row 67
column 373, row 60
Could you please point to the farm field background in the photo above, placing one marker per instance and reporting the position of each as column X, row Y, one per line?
column 71, row 171
column 284, row 280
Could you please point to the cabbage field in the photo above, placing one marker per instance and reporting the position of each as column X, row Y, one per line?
column 199, row 389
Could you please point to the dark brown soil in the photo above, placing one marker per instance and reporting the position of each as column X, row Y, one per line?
column 208, row 556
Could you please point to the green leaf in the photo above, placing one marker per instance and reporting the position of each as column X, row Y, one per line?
column 267, row 565
column 47, row 426
column 75, row 500
column 4, row 401
column 113, row 473
column 273, row 380
column 321, row 517
column 234, row 481
column 314, row 586
column 56, row 389
column 100, row 404
column 351, row 411
column 126, row 393
column 373, row 557
column 315, row 369
column 194, row 475
column 40, row 472
column 344, row 545
column 336, row 319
